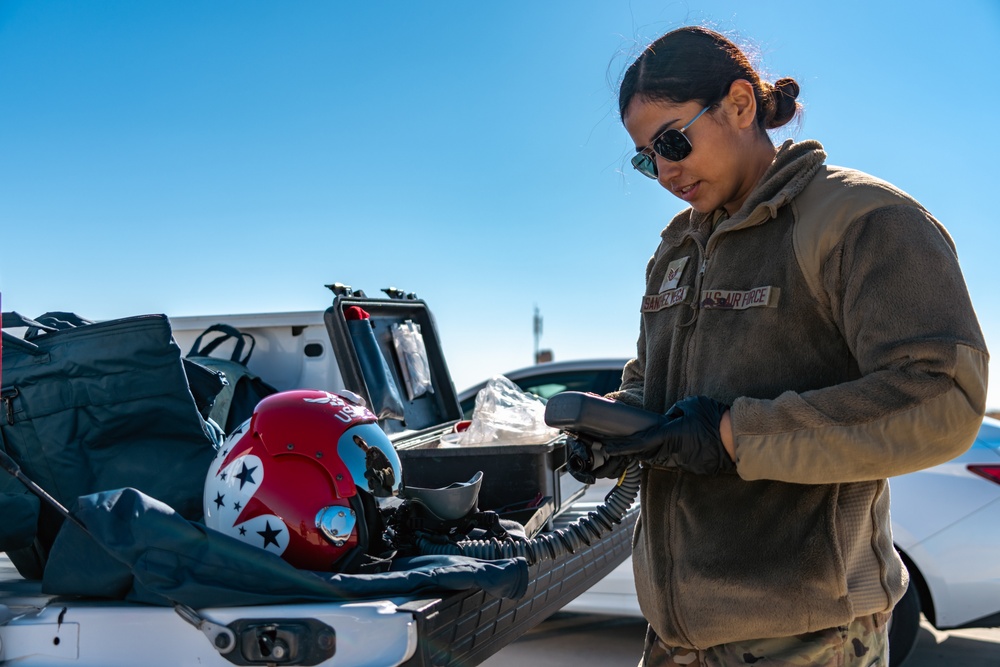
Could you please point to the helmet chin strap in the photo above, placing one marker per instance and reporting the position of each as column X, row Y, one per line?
column 372, row 553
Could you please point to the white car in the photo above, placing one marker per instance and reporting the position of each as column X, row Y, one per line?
column 945, row 523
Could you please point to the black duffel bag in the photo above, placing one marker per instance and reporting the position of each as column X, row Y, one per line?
column 244, row 390
column 88, row 407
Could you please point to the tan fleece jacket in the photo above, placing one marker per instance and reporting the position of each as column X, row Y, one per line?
column 831, row 313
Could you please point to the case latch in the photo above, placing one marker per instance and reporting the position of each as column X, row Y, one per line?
column 340, row 289
column 395, row 293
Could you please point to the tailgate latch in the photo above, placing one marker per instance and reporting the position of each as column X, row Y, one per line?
column 284, row 641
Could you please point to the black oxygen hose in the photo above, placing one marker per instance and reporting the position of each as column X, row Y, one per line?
column 552, row 545
column 592, row 417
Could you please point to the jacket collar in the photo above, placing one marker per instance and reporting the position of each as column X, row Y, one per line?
column 793, row 167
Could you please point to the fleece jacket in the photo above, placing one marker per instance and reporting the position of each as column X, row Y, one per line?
column 831, row 313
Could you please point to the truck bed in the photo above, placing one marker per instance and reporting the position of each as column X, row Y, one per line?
column 460, row 628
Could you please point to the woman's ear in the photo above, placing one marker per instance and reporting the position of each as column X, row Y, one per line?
column 741, row 104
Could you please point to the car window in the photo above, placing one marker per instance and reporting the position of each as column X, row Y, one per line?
column 548, row 385
column 545, row 391
column 612, row 381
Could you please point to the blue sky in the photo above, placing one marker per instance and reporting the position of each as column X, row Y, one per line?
column 229, row 157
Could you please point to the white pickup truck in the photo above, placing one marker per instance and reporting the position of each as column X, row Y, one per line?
column 309, row 350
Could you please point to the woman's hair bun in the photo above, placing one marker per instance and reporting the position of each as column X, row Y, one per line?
column 787, row 86
column 783, row 92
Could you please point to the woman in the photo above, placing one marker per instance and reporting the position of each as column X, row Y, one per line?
column 807, row 333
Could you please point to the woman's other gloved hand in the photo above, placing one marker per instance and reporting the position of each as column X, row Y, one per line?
column 687, row 438
column 588, row 462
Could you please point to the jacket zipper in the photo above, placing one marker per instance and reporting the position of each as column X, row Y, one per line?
column 706, row 250
column 692, row 322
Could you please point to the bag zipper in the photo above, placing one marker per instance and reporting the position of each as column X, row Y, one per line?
column 7, row 397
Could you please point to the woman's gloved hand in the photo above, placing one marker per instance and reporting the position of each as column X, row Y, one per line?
column 587, row 462
column 687, row 438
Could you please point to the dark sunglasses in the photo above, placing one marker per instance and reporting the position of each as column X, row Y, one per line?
column 671, row 144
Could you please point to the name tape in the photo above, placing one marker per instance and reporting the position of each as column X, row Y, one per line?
column 653, row 303
column 758, row 297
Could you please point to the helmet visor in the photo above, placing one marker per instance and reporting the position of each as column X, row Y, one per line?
column 371, row 460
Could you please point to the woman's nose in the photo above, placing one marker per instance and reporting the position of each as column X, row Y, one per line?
column 666, row 170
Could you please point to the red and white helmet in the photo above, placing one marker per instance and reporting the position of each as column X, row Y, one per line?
column 298, row 478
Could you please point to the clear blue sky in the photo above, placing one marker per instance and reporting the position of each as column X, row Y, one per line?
column 220, row 157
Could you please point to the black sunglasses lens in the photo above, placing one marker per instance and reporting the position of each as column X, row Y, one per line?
column 644, row 164
column 672, row 145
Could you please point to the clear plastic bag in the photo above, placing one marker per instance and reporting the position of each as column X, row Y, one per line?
column 412, row 354
column 504, row 415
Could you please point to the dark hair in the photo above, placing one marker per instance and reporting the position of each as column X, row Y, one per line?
column 695, row 63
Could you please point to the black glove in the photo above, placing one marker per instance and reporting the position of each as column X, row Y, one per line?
column 686, row 438
column 586, row 463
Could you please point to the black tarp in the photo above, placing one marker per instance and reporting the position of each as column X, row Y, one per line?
column 161, row 558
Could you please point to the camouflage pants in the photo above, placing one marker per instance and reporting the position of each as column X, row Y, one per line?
column 863, row 643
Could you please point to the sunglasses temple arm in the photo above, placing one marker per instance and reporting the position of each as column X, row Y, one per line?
column 694, row 119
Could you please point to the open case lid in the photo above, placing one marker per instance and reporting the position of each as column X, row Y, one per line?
column 361, row 373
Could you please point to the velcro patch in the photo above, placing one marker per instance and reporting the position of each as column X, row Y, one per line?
column 651, row 304
column 758, row 297
column 673, row 275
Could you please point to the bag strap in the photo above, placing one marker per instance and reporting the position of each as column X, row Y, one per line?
column 15, row 319
column 57, row 320
column 62, row 320
column 228, row 332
